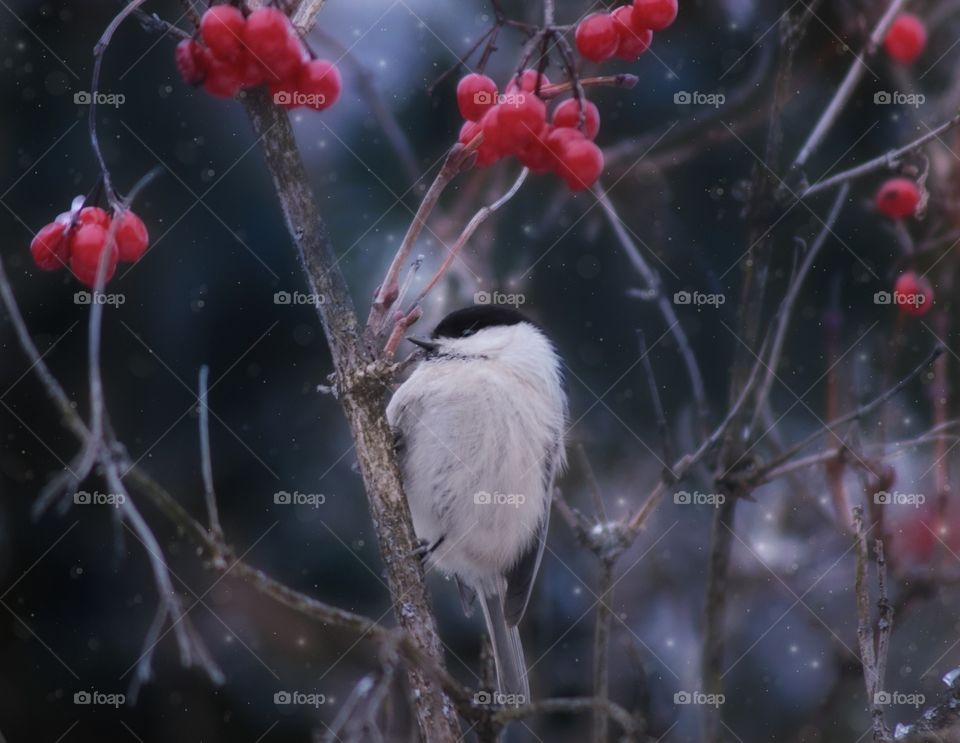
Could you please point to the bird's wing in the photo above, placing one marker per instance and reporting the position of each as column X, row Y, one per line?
column 521, row 576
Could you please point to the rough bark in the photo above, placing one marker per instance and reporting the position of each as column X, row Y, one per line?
column 362, row 395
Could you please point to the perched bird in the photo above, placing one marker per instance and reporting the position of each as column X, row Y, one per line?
column 479, row 426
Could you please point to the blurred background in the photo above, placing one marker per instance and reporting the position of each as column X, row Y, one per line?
column 76, row 594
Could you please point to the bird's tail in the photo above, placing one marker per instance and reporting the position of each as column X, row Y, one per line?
column 507, row 651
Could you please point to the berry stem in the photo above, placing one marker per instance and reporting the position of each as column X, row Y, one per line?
column 622, row 80
column 573, row 73
column 98, row 51
column 490, row 36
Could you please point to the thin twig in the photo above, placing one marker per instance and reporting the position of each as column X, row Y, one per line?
column 654, row 285
column 873, row 680
column 209, row 494
column 367, row 88
column 785, row 313
column 662, row 427
column 98, row 51
column 860, row 412
column 601, row 653
column 389, row 288
column 842, row 95
column 888, row 160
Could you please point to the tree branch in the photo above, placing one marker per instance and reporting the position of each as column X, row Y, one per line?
column 362, row 394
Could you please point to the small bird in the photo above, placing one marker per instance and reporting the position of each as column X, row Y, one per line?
column 479, row 428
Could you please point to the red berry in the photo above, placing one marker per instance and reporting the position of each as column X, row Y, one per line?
column 581, row 163
column 531, row 81
column 898, row 198
column 597, row 37
column 191, row 62
column 132, row 238
column 319, row 84
column 493, row 133
column 520, row 120
column 557, row 140
column 567, row 114
column 249, row 70
column 223, row 78
column 906, row 38
column 273, row 43
column 912, row 294
column 475, row 96
column 634, row 39
column 94, row 215
column 86, row 245
column 486, row 152
column 222, row 29
column 49, row 248
column 654, row 14
column 537, row 154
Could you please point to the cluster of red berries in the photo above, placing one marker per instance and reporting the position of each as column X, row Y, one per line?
column 245, row 51
column 626, row 33
column 515, row 123
column 898, row 198
column 78, row 240
column 906, row 39
column 913, row 294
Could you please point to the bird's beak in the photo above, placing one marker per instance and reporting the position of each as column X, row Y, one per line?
column 425, row 343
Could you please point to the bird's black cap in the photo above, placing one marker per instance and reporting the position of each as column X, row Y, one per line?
column 469, row 320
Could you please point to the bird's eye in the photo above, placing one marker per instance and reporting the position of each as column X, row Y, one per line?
column 468, row 331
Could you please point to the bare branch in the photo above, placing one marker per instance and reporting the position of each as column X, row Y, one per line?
column 785, row 313
column 865, row 634
column 361, row 393
column 654, row 285
column 390, row 287
column 305, row 14
column 384, row 116
column 860, row 412
column 887, row 160
column 601, row 653
column 839, row 101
